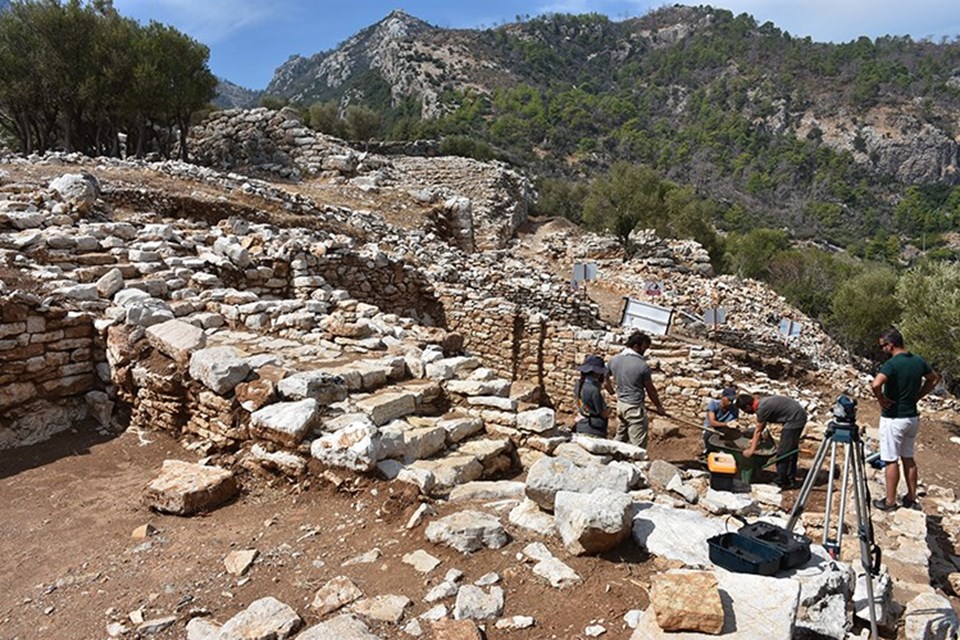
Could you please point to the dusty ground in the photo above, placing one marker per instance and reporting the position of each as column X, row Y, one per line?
column 68, row 507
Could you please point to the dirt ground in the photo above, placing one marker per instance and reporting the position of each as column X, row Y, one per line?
column 68, row 508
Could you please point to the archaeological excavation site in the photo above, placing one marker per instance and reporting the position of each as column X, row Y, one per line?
column 299, row 389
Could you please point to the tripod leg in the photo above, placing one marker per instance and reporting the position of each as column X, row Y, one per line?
column 844, row 484
column 833, row 545
column 864, row 529
column 807, row 487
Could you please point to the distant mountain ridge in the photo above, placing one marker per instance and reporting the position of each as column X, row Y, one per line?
column 230, row 95
column 811, row 133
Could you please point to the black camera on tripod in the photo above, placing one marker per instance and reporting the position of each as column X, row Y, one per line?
column 845, row 410
column 843, row 427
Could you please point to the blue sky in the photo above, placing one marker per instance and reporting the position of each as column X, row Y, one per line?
column 249, row 39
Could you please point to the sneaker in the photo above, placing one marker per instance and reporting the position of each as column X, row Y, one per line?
column 908, row 503
column 881, row 504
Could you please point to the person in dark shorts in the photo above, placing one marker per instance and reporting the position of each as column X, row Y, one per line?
column 777, row 410
column 904, row 378
column 591, row 407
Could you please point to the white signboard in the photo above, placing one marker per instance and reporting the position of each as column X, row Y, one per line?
column 789, row 328
column 715, row 316
column 584, row 272
column 645, row 316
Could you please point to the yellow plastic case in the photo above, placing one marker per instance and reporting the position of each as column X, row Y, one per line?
column 718, row 462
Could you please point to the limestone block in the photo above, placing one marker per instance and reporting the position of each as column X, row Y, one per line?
column 282, row 461
column 579, row 456
column 687, row 601
column 591, row 523
column 385, row 608
column 386, row 406
column 487, row 490
column 486, row 388
column 675, row 534
column 79, row 189
column 475, row 604
column 343, row 627
column 110, row 283
column 322, row 386
column 16, row 393
column 184, row 488
column 549, row 475
column 467, row 531
column 422, row 442
column 496, row 456
column 459, row 428
column 147, row 312
column 536, row 421
column 336, row 593
column 265, row 619
column 176, row 339
column 445, row 473
column 929, row 616
column 286, row 423
column 605, row 447
column 355, row 447
column 219, row 368
column 528, row 515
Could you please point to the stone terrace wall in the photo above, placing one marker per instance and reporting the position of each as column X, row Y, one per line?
column 486, row 201
column 524, row 346
column 48, row 359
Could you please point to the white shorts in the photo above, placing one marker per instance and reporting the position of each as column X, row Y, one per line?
column 898, row 437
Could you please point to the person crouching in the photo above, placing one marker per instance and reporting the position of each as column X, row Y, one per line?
column 593, row 410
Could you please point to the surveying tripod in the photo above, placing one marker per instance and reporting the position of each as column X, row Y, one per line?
column 846, row 433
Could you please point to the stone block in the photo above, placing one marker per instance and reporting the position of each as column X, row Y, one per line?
column 467, row 531
column 176, row 339
column 286, row 423
column 687, row 601
column 220, row 369
column 591, row 523
column 386, row 406
column 184, row 488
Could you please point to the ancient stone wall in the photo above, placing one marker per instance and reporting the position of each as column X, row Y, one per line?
column 48, row 359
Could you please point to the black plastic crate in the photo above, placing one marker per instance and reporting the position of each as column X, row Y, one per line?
column 794, row 548
column 743, row 554
column 721, row 481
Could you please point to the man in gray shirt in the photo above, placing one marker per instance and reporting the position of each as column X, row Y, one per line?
column 778, row 410
column 633, row 382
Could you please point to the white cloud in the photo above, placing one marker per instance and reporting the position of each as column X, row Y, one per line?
column 209, row 21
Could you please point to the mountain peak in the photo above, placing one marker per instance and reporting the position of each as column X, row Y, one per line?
column 402, row 17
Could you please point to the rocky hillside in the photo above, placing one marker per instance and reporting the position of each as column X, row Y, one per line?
column 230, row 95
column 811, row 135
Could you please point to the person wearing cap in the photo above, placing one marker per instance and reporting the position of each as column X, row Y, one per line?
column 633, row 380
column 593, row 410
column 777, row 410
column 720, row 413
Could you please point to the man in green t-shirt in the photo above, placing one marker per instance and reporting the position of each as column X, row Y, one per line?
column 904, row 378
